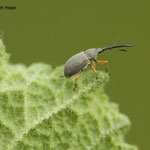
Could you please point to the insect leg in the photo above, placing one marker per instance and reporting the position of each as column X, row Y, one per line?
column 94, row 70
column 93, row 62
column 77, row 79
column 104, row 62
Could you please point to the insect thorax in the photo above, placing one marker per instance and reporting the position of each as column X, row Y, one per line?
column 91, row 53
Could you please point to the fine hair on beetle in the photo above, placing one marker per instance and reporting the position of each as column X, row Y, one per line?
column 81, row 60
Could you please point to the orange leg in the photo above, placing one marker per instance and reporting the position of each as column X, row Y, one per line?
column 77, row 79
column 104, row 62
column 94, row 70
column 93, row 62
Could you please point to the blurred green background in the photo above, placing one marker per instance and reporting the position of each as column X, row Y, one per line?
column 52, row 31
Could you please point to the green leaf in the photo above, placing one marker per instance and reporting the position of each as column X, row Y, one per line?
column 39, row 110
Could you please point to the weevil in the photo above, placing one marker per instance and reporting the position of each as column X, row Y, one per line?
column 80, row 61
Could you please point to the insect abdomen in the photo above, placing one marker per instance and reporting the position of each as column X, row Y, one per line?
column 75, row 64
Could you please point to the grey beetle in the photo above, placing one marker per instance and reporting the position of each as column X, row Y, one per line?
column 80, row 61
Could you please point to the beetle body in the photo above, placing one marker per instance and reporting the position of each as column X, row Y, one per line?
column 81, row 60
column 75, row 64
